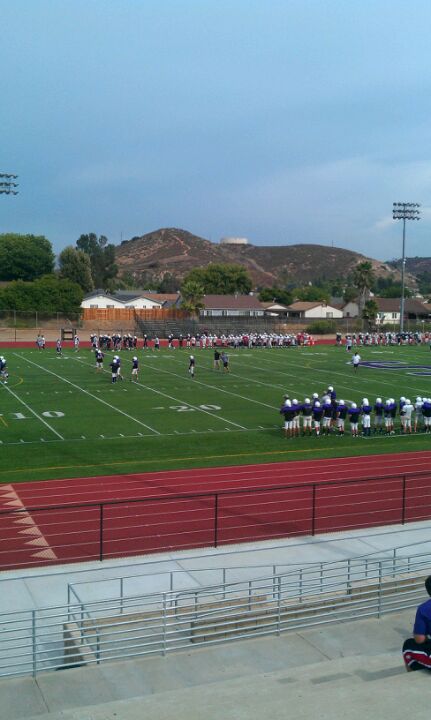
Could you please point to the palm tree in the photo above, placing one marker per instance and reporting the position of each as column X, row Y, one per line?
column 192, row 293
column 363, row 279
column 369, row 312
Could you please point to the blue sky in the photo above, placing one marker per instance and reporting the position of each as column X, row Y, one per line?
column 284, row 121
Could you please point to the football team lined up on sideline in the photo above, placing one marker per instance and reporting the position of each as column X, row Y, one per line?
column 117, row 342
column 383, row 338
column 326, row 415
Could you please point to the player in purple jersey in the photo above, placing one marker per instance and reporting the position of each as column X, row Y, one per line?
column 354, row 413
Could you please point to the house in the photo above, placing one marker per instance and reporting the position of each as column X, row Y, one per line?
column 231, row 306
column 389, row 312
column 169, row 300
column 305, row 310
column 121, row 299
column 274, row 309
column 351, row 309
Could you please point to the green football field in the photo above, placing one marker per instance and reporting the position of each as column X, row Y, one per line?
column 59, row 418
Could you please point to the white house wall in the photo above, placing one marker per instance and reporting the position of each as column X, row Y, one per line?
column 101, row 301
column 143, row 304
column 321, row 312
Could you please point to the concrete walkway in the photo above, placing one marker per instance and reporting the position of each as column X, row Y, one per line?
column 47, row 587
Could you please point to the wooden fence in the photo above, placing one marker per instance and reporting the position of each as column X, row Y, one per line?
column 130, row 315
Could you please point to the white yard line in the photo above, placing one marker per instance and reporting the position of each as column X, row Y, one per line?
column 218, row 389
column 357, row 378
column 6, row 387
column 86, row 392
column 183, row 402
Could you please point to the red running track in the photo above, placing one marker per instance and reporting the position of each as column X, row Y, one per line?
column 80, row 519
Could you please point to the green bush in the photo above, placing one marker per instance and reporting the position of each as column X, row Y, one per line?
column 322, row 327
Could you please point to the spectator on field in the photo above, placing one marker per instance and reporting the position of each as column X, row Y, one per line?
column 417, row 650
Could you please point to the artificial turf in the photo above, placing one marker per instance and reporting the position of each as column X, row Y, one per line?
column 60, row 418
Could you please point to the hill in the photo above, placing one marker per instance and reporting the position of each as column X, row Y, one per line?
column 178, row 251
column 414, row 265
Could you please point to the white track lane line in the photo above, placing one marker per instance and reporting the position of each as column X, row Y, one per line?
column 183, row 402
column 6, row 387
column 112, row 407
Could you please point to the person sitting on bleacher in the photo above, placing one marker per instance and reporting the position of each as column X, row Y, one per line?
column 417, row 650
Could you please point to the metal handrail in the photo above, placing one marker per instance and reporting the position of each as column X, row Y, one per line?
column 365, row 559
column 268, row 607
column 99, row 540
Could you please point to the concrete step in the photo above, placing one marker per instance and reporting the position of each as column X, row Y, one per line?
column 352, row 687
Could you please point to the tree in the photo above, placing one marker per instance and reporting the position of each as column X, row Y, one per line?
column 192, row 293
column 75, row 265
column 363, row 279
column 268, row 294
column 25, row 257
column 48, row 294
column 370, row 311
column 312, row 294
column 350, row 294
column 169, row 283
column 424, row 283
column 394, row 291
column 102, row 258
column 221, row 279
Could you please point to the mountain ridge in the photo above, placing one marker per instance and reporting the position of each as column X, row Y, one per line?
column 177, row 251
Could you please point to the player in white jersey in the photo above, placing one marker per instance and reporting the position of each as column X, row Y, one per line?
column 406, row 417
column 418, row 414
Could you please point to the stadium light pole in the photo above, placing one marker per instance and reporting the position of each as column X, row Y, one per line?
column 8, row 186
column 404, row 211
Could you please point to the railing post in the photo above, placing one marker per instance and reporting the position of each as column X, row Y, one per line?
column 215, row 520
column 403, row 516
column 97, row 648
column 279, row 607
column 379, row 607
column 101, row 518
column 164, row 624
column 33, row 642
column 313, row 511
